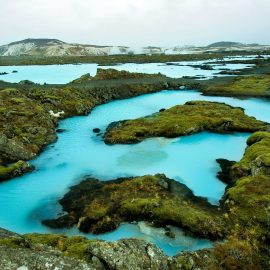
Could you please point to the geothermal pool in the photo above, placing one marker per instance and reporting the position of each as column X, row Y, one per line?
column 27, row 200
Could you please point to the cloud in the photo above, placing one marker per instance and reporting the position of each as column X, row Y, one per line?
column 140, row 22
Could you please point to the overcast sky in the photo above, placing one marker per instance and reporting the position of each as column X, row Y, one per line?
column 136, row 22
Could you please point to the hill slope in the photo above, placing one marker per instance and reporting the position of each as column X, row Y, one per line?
column 55, row 47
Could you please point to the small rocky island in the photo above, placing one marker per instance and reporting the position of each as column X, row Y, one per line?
column 190, row 118
column 100, row 206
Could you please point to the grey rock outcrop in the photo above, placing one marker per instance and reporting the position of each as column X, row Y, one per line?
column 129, row 254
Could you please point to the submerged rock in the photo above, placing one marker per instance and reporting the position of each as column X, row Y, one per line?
column 60, row 130
column 96, row 130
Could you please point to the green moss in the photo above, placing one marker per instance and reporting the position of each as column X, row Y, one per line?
column 4, row 171
column 243, row 86
column 236, row 254
column 249, row 201
column 45, row 239
column 13, row 242
column 257, row 137
column 75, row 246
column 256, row 156
column 190, row 118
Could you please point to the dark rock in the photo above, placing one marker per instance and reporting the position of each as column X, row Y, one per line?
column 162, row 110
column 60, row 130
column 96, row 130
column 169, row 233
column 63, row 221
column 225, row 174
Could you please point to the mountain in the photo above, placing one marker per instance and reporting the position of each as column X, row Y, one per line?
column 235, row 46
column 225, row 44
column 55, row 47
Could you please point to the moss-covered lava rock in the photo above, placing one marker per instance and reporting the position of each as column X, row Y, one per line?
column 192, row 117
column 246, row 86
column 247, row 200
column 97, row 206
column 256, row 159
column 113, row 74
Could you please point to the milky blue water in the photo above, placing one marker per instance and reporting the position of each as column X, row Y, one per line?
column 61, row 74
column 27, row 200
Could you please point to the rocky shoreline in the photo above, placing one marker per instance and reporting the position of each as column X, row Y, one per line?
column 50, row 252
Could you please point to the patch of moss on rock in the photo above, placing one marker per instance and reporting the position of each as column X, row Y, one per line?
column 15, row 169
column 256, row 159
column 193, row 117
column 50, row 252
column 233, row 254
column 75, row 246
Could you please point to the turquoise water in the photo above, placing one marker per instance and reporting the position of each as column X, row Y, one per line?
column 27, row 200
column 61, row 74
column 53, row 74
